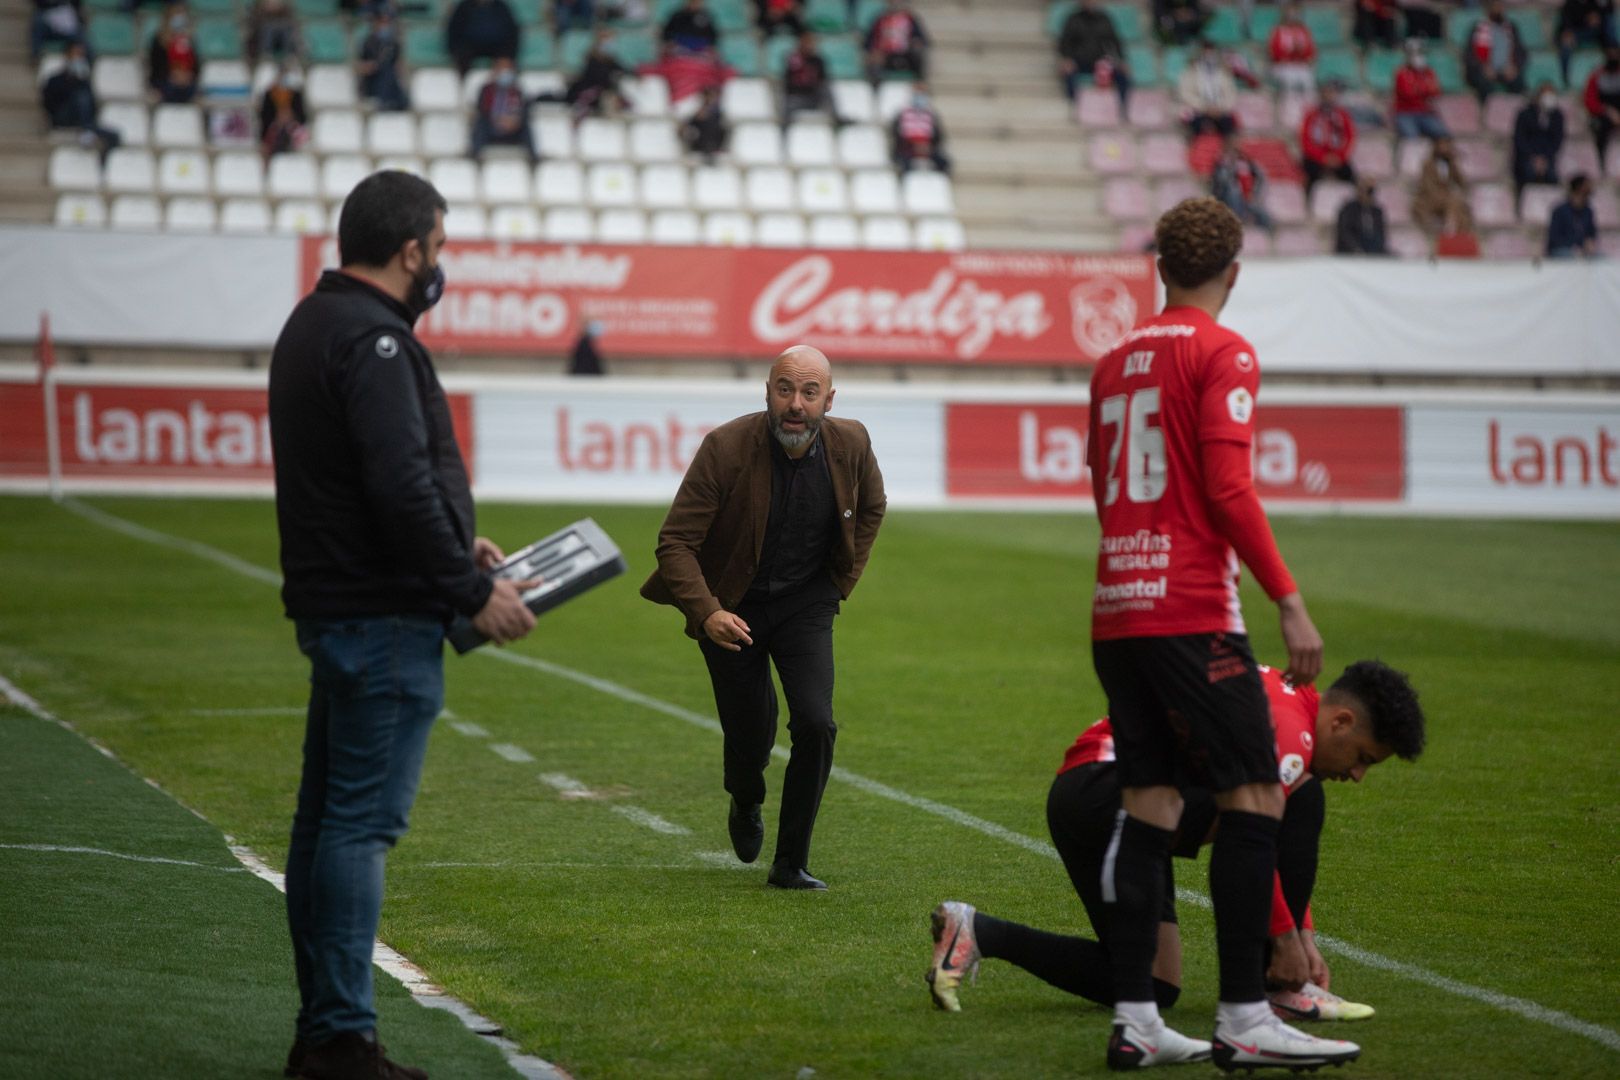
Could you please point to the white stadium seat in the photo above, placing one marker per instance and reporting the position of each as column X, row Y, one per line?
column 190, row 214
column 391, row 133
column 570, row 225
column 673, row 227
column 822, row 191
column 129, row 170
column 891, row 98
column 245, row 216
column 225, row 77
column 404, row 163
column 716, row 187
column 330, row 86
column 927, row 193
column 136, row 212
column 292, row 176
column 834, row 231
column 506, row 181
column 514, row 223
column 535, row 83
column 337, row 131
column 118, row 78
column 74, row 168
column 611, row 184
column 49, row 65
column 621, row 227
column 559, row 183
column 862, row 146
column 300, row 216
column 340, row 173
column 770, row 188
column 728, row 229
column 886, row 233
column 553, row 136
column 434, row 89
column 184, row 172
column 854, row 101
column 334, row 218
column 780, row 230
column 130, row 119
column 444, row 134
column 456, row 179
column 747, row 99
column 597, row 139
column 875, row 192
column 466, row 221
column 239, row 172
column 756, row 144
column 654, row 140
column 810, row 143
column 177, row 125
column 81, row 211
column 651, row 96
column 940, row 234
column 664, row 186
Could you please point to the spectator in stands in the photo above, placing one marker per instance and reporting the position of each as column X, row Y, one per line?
column 502, row 116
column 1423, row 20
column 1416, row 88
column 1360, row 230
column 1440, row 206
column 1572, row 229
column 1327, row 135
column 598, row 79
column 780, row 17
column 1494, row 56
column 1089, row 48
column 54, row 22
column 573, row 15
column 1209, row 93
column 70, row 102
column 1238, row 182
column 705, row 131
column 282, row 117
column 272, row 33
column 691, row 31
column 897, row 42
column 381, row 65
column 1602, row 100
column 1293, row 53
column 1375, row 23
column 586, row 359
column 918, row 134
column 1585, row 22
column 171, row 59
column 1179, row 22
column 481, row 30
column 1538, row 135
column 805, row 87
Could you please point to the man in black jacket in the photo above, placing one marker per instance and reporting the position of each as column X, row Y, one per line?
column 1360, row 228
column 377, row 553
column 70, row 102
column 1089, row 47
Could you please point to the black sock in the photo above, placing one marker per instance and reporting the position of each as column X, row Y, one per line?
column 1240, row 883
column 1134, row 892
column 1075, row 965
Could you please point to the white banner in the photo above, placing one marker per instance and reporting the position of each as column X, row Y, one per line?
column 1516, row 460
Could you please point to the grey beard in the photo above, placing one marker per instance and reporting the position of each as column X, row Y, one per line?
column 791, row 440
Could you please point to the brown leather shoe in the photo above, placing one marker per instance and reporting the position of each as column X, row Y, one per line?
column 351, row 1056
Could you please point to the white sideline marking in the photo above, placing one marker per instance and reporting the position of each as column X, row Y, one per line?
column 470, row 729
column 650, row 820
column 1530, row 1010
column 268, row 711
column 515, row 754
column 567, row 785
column 72, row 850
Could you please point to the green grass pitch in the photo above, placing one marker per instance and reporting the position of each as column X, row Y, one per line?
column 617, row 950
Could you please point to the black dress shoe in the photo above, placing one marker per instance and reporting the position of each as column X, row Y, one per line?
column 783, row 876
column 747, row 830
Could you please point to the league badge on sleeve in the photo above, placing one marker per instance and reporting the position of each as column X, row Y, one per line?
column 1240, row 405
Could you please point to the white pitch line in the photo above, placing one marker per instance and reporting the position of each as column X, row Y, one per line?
column 1529, row 1010
column 565, row 784
column 68, row 849
column 515, row 754
column 650, row 820
column 470, row 729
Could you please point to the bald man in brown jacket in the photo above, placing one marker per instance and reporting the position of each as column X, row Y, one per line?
column 769, row 532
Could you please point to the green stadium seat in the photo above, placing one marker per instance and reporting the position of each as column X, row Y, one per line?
column 866, row 13
column 1263, row 21
column 1144, row 65
column 1326, row 26
column 741, row 52
column 327, row 41
column 1172, row 60
column 312, row 9
column 1381, row 67
column 1128, row 23
column 1542, row 67
column 1581, row 66
column 526, row 12
column 1459, row 24
column 571, row 49
column 1341, row 64
column 1448, row 69
column 219, row 39
column 539, row 50
column 1056, row 16
column 1224, row 27
column 111, row 34
column 843, row 58
column 1532, row 27
column 94, row 6
column 728, row 14
column 827, row 16
column 634, row 48
column 776, row 53
column 424, row 46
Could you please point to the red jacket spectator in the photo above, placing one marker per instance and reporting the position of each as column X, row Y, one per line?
column 1415, row 89
column 1327, row 135
column 1292, row 44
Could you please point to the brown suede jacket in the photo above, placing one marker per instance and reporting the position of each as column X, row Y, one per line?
column 708, row 550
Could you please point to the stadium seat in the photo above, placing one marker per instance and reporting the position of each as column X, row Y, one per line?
column 245, row 216
column 292, row 176
column 1478, row 159
column 875, row 191
column 822, row 191
column 598, row 139
column 651, row 96
column 74, row 168
column 773, row 57
column 1460, row 113
column 218, row 39
column 570, row 225
column 1112, row 153
column 330, row 86
column 1578, row 156
column 1296, row 243
column 1256, row 114
column 404, row 163
column 611, row 183
column 1381, row 65
column 1285, row 203
column 1098, row 108
column 239, row 173
column 855, row 101
column 327, row 42
column 1164, row 154
column 434, row 89
column 1373, row 157
column 927, row 193
column 675, row 227
column 891, row 98
column 769, row 187
column 466, row 221
column 1537, row 204
column 337, row 131
column 827, row 17
column 340, row 173
column 843, row 58
column 1507, row 244
column 136, row 212
column 190, row 214
column 1410, row 156
column 553, row 135
column 862, row 146
column 225, row 77
column 810, row 143
column 1408, row 243
column 654, row 140
column 559, row 183
column 313, row 9
column 424, row 46
column 1326, row 199
column 443, row 134
column 780, row 231
column 77, row 210
column 728, row 229
column 118, row 78
column 621, row 226
column 665, row 186
column 183, row 172
column 515, row 223
column 1172, row 190
column 391, row 133
column 1256, row 241
column 1126, row 199
column 740, row 52
column 539, row 51
column 127, row 118
column 834, row 231
column 716, row 187
column 505, row 181
column 178, row 126
column 747, row 99
column 1143, row 60
column 940, row 234
column 866, row 13
column 1492, row 205
column 1152, row 110
column 1341, row 64
column 129, row 170
column 1326, row 25
column 571, row 49
column 886, row 233
column 756, row 144
column 1224, row 27
column 456, row 179
column 111, row 34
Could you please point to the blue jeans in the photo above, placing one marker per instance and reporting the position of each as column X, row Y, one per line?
column 1420, row 125
column 376, row 685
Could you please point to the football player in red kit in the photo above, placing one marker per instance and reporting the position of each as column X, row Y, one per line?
column 1369, row 714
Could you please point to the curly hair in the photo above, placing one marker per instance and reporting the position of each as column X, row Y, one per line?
column 1196, row 240
column 1388, row 700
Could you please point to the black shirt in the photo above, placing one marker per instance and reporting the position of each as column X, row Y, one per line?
column 372, row 497
column 801, row 527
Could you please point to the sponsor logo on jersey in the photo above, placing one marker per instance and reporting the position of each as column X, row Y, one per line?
column 1240, row 405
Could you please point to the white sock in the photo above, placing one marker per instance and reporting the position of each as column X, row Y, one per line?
column 1141, row 1015
column 1241, row 1016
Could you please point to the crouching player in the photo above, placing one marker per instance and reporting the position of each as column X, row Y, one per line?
column 1368, row 715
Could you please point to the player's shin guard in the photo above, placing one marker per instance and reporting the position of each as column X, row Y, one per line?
column 1133, row 877
column 1240, row 885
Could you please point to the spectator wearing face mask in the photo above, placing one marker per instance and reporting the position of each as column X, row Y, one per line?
column 805, row 87
column 54, row 22
column 896, row 42
column 1360, row 228
column 1589, row 23
column 1327, row 135
column 1494, row 57
column 1293, row 54
column 1209, row 93
column 1572, row 229
column 1238, row 182
column 171, row 59
column 1440, row 206
column 381, row 65
column 918, row 135
column 1538, row 135
column 503, row 114
column 598, row 79
column 481, row 30
column 1416, row 89
column 70, row 102
column 282, row 118
column 1602, row 101
column 1089, row 47
column 272, row 33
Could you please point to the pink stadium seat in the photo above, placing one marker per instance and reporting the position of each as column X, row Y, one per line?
column 1374, row 157
column 1578, row 156
column 1397, row 203
column 1411, row 155
column 1500, row 112
column 1460, row 113
column 1326, row 198
column 1098, row 107
column 1256, row 241
column 1480, row 160
column 1296, row 243
column 1286, row 203
column 1538, row 203
column 1164, row 154
column 1126, row 199
column 1151, row 110
column 1167, row 193
column 1614, row 158
column 1135, row 237
column 1507, row 244
column 1493, row 205
column 1409, row 243
column 1112, row 153
column 1606, row 206
column 1255, row 114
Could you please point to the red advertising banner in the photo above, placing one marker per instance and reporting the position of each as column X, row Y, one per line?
column 1326, row 453
column 965, row 307
column 22, row 430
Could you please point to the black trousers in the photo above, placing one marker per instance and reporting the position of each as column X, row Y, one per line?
column 795, row 633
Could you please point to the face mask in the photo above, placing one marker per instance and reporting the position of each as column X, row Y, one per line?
column 1420, row 62
column 506, row 78
column 1549, row 102
column 80, row 68
column 385, row 33
column 920, row 101
column 178, row 23
column 426, row 289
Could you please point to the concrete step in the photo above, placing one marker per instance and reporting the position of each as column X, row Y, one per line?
column 1017, row 238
